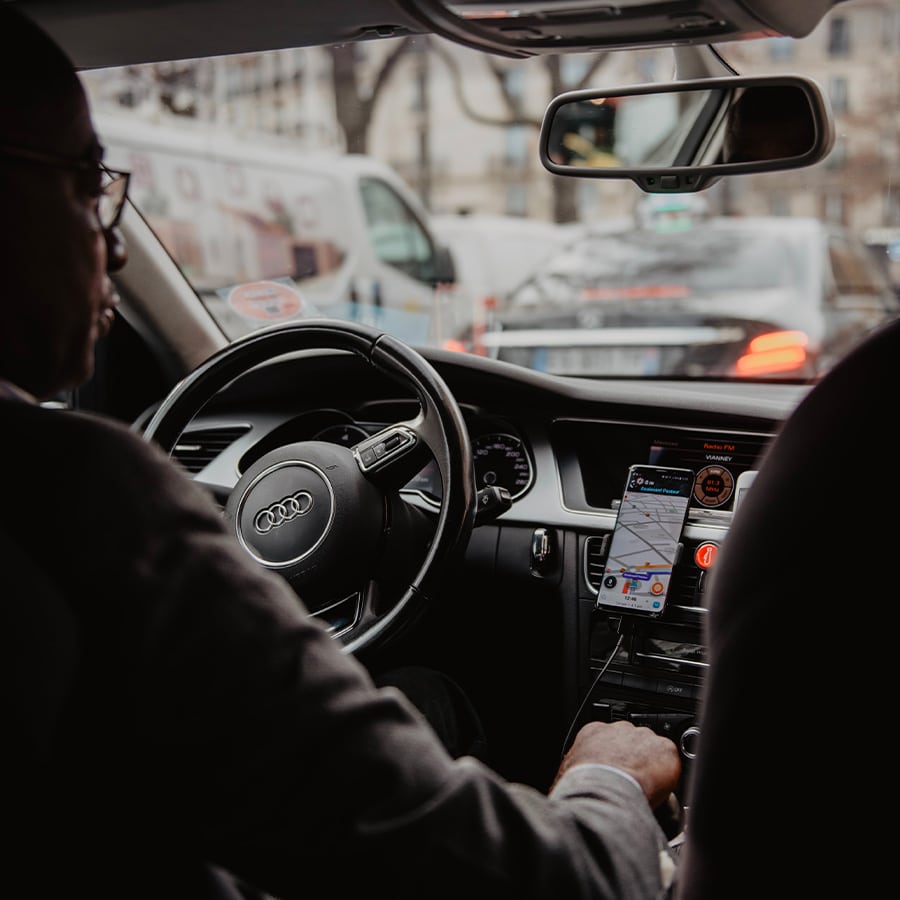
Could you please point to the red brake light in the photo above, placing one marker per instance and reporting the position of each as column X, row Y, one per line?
column 775, row 351
column 455, row 345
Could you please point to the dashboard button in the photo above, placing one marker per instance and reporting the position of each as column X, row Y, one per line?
column 705, row 554
column 675, row 689
column 642, row 718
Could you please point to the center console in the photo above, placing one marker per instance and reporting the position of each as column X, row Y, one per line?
column 650, row 669
column 655, row 676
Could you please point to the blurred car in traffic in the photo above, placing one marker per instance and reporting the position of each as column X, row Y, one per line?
column 695, row 296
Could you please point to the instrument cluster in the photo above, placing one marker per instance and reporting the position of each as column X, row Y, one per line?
column 501, row 457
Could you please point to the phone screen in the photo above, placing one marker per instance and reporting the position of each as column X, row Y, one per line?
column 645, row 540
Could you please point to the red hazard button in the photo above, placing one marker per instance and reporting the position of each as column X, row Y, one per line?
column 705, row 554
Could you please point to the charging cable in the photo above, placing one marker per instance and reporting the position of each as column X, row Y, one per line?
column 590, row 690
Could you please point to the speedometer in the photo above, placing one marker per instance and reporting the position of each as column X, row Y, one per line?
column 501, row 460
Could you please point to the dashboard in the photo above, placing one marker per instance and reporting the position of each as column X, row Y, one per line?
column 588, row 479
column 562, row 448
column 501, row 456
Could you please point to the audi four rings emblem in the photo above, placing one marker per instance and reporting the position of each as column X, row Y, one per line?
column 283, row 511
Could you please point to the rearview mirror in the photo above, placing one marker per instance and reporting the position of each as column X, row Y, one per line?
column 684, row 135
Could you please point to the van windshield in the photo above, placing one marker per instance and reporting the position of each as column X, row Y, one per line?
column 266, row 234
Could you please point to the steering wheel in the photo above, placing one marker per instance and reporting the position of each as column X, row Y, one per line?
column 330, row 518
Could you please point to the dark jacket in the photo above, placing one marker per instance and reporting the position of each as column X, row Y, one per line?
column 168, row 700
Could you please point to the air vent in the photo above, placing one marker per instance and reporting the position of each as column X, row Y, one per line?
column 595, row 549
column 684, row 588
column 195, row 450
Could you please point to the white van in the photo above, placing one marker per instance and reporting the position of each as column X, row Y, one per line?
column 494, row 254
column 270, row 233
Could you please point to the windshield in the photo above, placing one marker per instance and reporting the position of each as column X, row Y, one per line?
column 397, row 182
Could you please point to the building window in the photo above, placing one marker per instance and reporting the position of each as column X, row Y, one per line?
column 833, row 207
column 838, row 156
column 781, row 49
column 572, row 67
column 837, row 91
column 514, row 84
column 516, row 152
column 890, row 32
column 516, row 200
column 588, row 198
column 839, row 37
column 780, row 203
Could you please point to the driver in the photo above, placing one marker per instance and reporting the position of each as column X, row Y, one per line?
column 166, row 701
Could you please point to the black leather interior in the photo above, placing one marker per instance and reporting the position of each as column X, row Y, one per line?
column 802, row 628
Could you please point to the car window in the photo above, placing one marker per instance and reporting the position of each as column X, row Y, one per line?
column 854, row 271
column 397, row 237
column 435, row 137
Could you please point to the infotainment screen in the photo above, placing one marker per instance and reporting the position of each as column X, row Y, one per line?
column 716, row 461
column 595, row 457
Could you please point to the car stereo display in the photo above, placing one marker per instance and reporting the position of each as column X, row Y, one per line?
column 605, row 450
column 715, row 461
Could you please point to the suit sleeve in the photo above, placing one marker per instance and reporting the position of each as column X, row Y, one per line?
column 288, row 767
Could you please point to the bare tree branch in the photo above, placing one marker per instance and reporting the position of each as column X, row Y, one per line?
column 354, row 107
column 388, row 66
column 597, row 62
column 456, row 76
column 513, row 103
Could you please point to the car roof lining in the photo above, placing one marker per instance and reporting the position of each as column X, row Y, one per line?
column 143, row 31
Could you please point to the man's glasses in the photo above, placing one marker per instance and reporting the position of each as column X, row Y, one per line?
column 113, row 190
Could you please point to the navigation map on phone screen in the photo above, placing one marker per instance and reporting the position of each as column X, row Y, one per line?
column 645, row 540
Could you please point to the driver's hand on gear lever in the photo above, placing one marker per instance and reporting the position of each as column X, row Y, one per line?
column 652, row 760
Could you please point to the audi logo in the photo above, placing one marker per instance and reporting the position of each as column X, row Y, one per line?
column 283, row 511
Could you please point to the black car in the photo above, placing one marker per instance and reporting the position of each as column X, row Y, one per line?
column 744, row 297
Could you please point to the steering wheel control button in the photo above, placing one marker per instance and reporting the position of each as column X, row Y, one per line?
column 382, row 446
column 493, row 501
column 705, row 555
column 285, row 513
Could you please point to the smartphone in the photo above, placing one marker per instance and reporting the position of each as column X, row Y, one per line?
column 645, row 540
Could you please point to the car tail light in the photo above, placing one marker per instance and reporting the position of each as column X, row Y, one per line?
column 455, row 345
column 775, row 351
